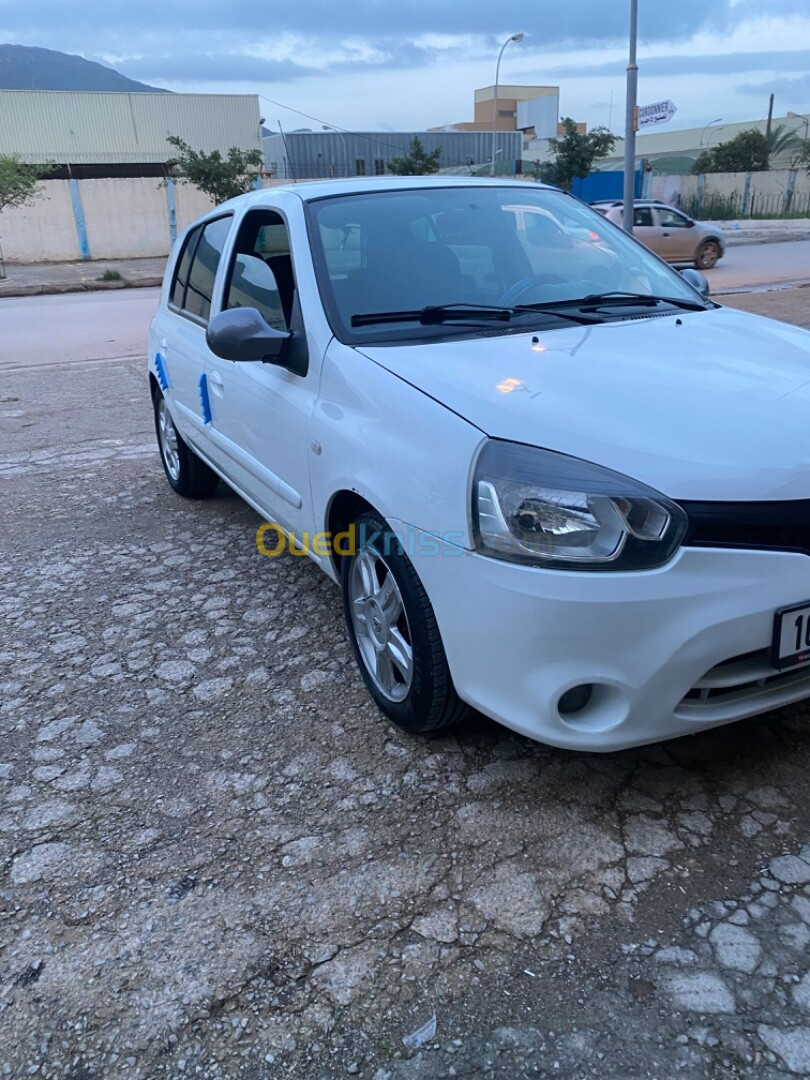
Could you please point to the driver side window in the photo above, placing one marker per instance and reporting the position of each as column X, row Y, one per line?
column 253, row 284
column 261, row 274
column 672, row 219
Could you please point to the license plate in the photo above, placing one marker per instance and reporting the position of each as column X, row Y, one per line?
column 791, row 636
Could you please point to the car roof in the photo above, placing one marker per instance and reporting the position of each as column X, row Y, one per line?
column 308, row 190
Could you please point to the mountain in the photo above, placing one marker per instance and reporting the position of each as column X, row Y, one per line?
column 23, row 67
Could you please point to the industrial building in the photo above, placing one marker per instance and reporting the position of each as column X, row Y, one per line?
column 91, row 134
column 675, row 152
column 313, row 155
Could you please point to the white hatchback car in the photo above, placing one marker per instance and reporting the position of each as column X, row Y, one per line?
column 554, row 480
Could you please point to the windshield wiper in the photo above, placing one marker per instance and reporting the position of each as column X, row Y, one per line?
column 436, row 314
column 647, row 299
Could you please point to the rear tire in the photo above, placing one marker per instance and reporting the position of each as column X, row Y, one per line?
column 187, row 474
column 393, row 631
column 707, row 255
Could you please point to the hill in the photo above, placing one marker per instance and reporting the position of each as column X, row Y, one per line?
column 24, row 67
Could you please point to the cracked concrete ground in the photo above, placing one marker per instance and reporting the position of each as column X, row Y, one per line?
column 217, row 860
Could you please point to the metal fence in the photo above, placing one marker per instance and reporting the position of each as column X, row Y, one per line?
column 746, row 204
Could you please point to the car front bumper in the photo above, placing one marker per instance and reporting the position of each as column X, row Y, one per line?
column 667, row 652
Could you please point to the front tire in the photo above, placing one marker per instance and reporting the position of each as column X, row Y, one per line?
column 187, row 474
column 707, row 255
column 393, row 632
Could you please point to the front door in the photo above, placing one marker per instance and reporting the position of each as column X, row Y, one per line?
column 267, row 408
column 676, row 235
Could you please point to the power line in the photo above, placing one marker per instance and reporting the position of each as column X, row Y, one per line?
column 340, row 130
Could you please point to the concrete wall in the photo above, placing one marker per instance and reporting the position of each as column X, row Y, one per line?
column 99, row 219
column 762, row 186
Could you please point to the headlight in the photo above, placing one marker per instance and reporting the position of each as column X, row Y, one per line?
column 545, row 509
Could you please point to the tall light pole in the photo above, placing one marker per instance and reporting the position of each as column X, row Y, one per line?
column 801, row 116
column 710, row 124
column 630, row 123
column 327, row 127
column 514, row 37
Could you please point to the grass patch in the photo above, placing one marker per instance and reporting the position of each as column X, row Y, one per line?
column 109, row 275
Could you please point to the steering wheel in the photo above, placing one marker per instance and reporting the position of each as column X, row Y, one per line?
column 516, row 291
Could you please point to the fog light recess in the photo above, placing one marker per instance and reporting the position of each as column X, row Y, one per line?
column 575, row 699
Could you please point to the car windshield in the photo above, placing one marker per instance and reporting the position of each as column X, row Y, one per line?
column 508, row 246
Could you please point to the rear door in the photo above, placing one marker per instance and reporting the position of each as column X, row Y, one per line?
column 646, row 230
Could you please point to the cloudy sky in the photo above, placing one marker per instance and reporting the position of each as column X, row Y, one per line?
column 399, row 64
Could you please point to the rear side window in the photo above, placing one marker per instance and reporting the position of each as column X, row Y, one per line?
column 204, row 267
column 642, row 216
column 182, row 268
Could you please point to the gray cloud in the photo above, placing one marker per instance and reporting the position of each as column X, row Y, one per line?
column 222, row 68
column 208, row 41
column 796, row 90
column 724, row 64
column 60, row 24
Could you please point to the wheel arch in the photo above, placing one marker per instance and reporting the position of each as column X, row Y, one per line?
column 344, row 507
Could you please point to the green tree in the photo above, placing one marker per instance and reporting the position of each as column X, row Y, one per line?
column 574, row 154
column 417, row 162
column 803, row 153
column 19, row 183
column 704, row 163
column 220, row 177
column 747, row 152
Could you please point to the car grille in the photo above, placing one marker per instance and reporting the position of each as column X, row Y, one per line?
column 743, row 686
column 767, row 526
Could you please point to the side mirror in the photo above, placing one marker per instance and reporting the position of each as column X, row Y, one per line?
column 698, row 281
column 689, row 223
column 244, row 334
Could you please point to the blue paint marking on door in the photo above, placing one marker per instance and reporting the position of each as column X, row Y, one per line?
column 172, row 208
column 160, row 368
column 78, row 217
column 205, row 404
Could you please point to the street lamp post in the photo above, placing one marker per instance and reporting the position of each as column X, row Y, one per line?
column 514, row 37
column 327, row 127
column 630, row 124
column 801, row 116
column 710, row 124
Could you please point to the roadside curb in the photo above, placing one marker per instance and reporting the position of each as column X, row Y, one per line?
column 775, row 286
column 10, row 288
column 741, row 239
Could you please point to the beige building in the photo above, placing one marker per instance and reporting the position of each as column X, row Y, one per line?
column 532, row 110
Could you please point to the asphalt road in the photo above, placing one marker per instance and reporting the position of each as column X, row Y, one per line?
column 217, row 860
column 41, row 331
column 762, row 264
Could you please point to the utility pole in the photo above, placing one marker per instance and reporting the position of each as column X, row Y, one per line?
column 770, row 119
column 630, row 123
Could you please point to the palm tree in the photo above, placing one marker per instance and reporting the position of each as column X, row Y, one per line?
column 781, row 141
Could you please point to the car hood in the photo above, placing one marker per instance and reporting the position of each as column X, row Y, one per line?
column 708, row 405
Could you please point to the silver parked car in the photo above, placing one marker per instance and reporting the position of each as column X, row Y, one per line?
column 669, row 232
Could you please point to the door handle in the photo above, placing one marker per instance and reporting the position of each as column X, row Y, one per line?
column 666, row 234
column 215, row 382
